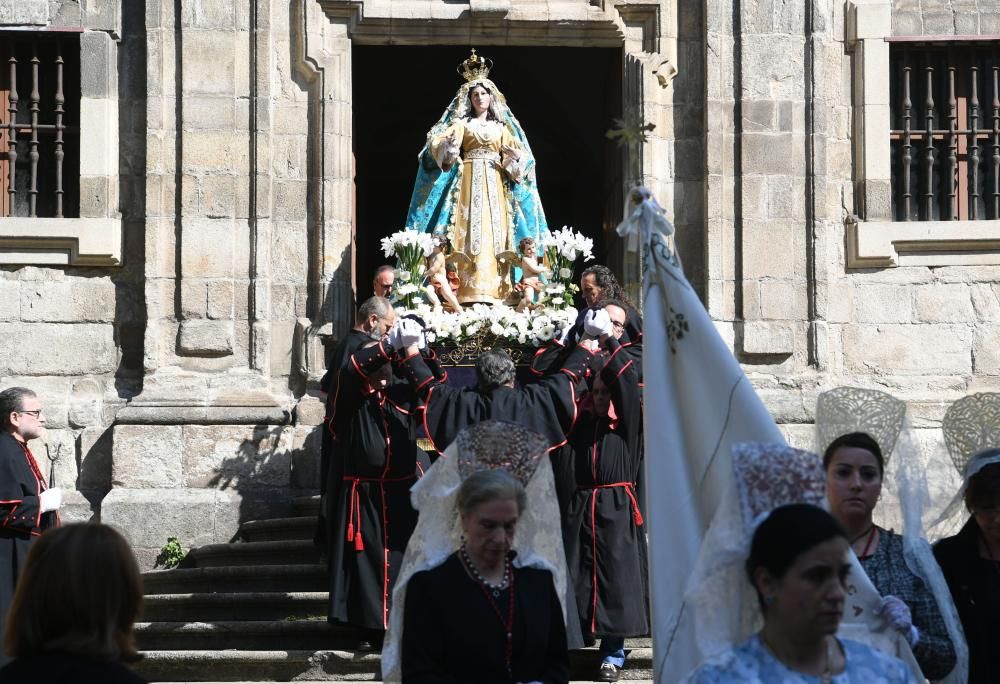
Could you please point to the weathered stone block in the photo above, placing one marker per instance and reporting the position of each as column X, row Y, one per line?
column 290, row 203
column 310, row 411
column 69, row 301
column 207, row 248
column 768, row 338
column 24, row 12
column 215, row 151
column 86, row 405
column 289, row 254
column 986, row 301
column 228, row 457
column 935, row 348
column 96, row 458
column 783, row 300
column 306, row 457
column 907, row 23
column 986, row 349
column 209, row 63
column 147, row 456
column 98, row 73
column 148, row 516
column 206, row 337
column 10, row 300
column 55, row 349
column 220, row 299
column 940, row 303
column 883, row 303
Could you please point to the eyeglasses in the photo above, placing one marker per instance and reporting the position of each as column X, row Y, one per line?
column 36, row 413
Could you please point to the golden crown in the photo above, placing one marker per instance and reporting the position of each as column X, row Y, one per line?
column 476, row 67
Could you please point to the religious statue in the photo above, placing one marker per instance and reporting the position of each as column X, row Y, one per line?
column 476, row 185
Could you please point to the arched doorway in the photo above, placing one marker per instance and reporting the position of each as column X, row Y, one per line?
column 565, row 98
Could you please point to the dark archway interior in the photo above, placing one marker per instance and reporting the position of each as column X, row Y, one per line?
column 565, row 99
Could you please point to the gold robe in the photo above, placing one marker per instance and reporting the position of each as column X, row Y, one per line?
column 482, row 223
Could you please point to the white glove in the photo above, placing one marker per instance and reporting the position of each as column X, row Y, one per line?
column 392, row 337
column 564, row 334
column 898, row 615
column 50, row 499
column 410, row 334
column 597, row 323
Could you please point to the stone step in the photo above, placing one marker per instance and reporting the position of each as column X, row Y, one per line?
column 248, row 635
column 296, row 551
column 231, row 606
column 305, row 505
column 263, row 666
column 277, row 665
column 240, row 578
column 279, row 529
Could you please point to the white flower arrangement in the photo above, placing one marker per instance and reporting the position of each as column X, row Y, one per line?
column 411, row 248
column 503, row 323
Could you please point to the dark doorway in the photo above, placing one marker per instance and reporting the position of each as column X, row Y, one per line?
column 565, row 99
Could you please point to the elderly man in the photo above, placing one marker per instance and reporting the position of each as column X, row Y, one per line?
column 547, row 406
column 375, row 464
column 382, row 282
column 374, row 319
column 27, row 505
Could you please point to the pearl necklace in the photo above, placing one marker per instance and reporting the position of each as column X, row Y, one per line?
column 495, row 589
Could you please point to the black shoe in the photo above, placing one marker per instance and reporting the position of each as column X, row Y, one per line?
column 608, row 673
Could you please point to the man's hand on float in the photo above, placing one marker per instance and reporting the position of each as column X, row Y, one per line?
column 392, row 337
column 597, row 323
column 410, row 334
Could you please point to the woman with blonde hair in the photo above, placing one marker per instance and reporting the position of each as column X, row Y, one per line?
column 73, row 614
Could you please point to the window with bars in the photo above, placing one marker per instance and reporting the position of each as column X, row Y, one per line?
column 39, row 124
column 945, row 130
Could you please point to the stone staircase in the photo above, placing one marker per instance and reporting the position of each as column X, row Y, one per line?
column 255, row 610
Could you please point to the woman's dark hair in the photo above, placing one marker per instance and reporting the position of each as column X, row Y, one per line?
column 491, row 114
column 787, row 533
column 856, row 440
column 983, row 490
column 79, row 592
column 605, row 279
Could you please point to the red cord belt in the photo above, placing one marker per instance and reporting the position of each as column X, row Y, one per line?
column 629, row 491
column 354, row 531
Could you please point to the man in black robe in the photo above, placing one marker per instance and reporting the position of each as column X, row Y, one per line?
column 377, row 461
column 547, row 406
column 602, row 521
column 374, row 319
column 27, row 505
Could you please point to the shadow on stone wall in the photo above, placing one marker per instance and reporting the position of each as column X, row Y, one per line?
column 268, row 470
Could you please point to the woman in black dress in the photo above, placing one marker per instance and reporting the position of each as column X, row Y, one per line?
column 477, row 616
column 479, row 594
column 970, row 561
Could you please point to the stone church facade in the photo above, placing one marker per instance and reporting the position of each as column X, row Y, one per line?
column 173, row 317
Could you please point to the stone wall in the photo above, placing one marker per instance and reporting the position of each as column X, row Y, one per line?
column 945, row 18
column 74, row 333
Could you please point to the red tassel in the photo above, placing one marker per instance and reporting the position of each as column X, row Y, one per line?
column 637, row 516
column 350, row 531
column 359, row 544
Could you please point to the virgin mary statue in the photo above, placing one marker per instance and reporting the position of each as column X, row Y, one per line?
column 476, row 185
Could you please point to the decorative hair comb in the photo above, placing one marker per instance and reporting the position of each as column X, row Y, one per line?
column 970, row 426
column 844, row 410
column 769, row 475
column 499, row 444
